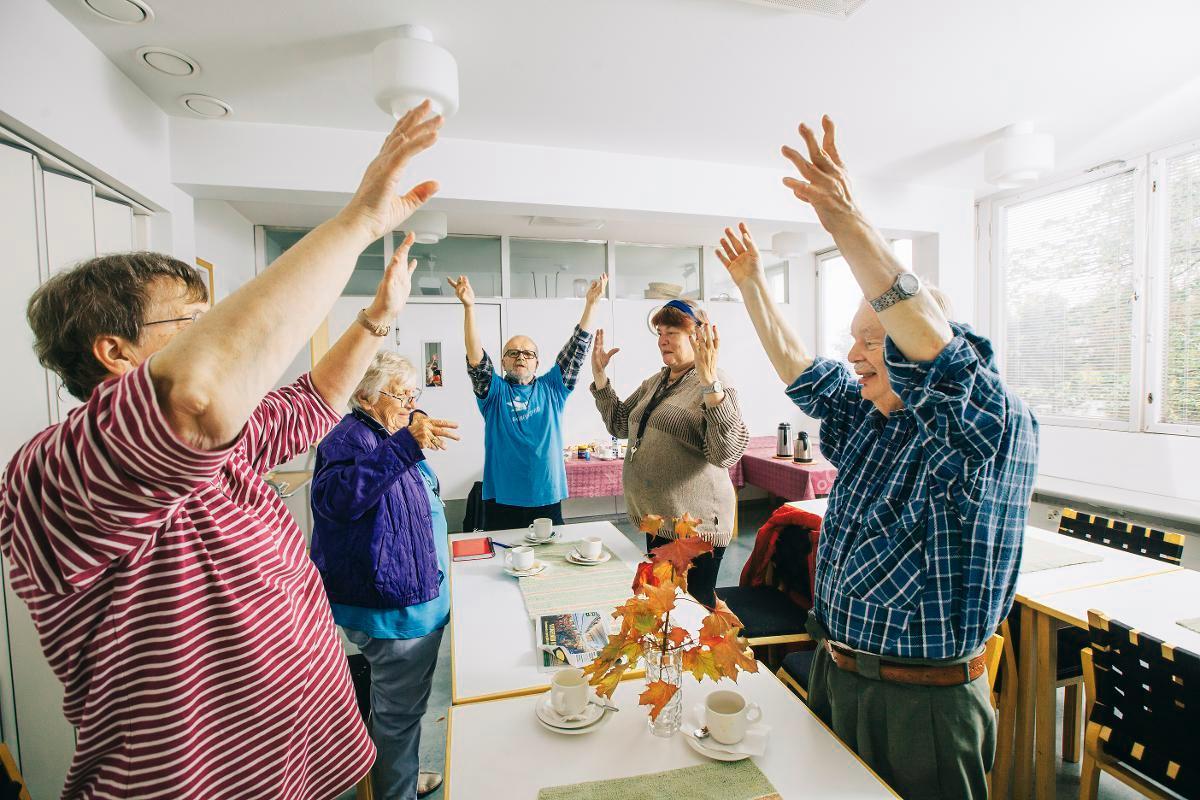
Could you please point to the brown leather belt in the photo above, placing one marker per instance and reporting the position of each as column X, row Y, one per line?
column 918, row 674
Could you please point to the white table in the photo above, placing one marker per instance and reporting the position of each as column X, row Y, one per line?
column 498, row 750
column 492, row 639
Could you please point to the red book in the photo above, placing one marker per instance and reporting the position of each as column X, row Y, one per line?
column 472, row 549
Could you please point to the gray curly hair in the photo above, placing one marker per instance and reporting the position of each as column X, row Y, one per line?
column 385, row 368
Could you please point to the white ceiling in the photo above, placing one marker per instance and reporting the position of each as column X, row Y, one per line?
column 916, row 85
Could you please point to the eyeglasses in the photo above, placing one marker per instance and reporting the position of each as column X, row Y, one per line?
column 412, row 395
column 525, row 354
column 195, row 315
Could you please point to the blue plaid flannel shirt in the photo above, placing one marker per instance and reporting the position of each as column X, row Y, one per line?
column 921, row 542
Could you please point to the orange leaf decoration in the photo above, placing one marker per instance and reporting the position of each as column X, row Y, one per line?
column 639, row 615
column 733, row 654
column 685, row 526
column 651, row 523
column 681, row 552
column 677, row 636
column 657, row 695
column 606, row 681
column 661, row 598
column 644, row 577
column 701, row 663
column 718, row 624
column 665, row 575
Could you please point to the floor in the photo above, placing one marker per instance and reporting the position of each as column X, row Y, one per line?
column 752, row 515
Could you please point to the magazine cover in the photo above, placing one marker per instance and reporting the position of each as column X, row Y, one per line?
column 570, row 640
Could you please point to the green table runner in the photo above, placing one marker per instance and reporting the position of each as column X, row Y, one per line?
column 564, row 586
column 738, row 780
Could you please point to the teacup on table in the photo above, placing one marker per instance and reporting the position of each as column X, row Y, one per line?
column 726, row 713
column 542, row 528
column 569, row 692
column 590, row 548
column 520, row 558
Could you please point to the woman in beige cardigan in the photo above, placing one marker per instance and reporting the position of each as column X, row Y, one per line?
column 685, row 431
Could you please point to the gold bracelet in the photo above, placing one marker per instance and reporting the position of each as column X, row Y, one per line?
column 377, row 330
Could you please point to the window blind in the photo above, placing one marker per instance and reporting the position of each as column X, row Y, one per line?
column 1068, row 265
column 1180, row 339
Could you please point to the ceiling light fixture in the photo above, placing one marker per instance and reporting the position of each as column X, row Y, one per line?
column 204, row 106
column 427, row 227
column 410, row 68
column 788, row 244
column 168, row 62
column 827, row 8
column 1020, row 157
column 126, row 12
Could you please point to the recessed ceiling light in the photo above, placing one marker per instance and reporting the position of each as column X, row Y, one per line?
column 170, row 62
column 127, row 12
column 204, row 106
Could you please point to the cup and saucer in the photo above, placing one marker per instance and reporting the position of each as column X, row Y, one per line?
column 541, row 532
column 568, row 708
column 520, row 563
column 588, row 552
column 735, row 730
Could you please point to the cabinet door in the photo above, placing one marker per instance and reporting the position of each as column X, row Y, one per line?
column 31, row 700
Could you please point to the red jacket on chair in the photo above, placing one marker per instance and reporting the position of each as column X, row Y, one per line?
column 760, row 567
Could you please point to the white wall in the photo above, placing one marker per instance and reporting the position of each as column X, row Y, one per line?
column 225, row 239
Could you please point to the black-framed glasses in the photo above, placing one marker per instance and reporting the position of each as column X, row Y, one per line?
column 412, row 394
column 526, row 354
column 195, row 315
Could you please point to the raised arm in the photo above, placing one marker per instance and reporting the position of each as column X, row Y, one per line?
column 466, row 296
column 595, row 294
column 784, row 347
column 917, row 325
column 212, row 375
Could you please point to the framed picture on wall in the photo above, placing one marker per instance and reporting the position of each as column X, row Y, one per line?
column 206, row 268
column 433, row 363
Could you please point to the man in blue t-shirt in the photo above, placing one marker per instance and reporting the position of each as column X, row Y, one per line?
column 523, row 473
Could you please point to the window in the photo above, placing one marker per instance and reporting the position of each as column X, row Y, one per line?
column 1067, row 261
column 655, row 272
column 721, row 288
column 1179, row 295
column 839, row 296
column 544, row 268
column 477, row 257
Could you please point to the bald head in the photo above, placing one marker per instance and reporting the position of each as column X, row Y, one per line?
column 520, row 359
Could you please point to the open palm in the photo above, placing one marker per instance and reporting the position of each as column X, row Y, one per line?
column 738, row 253
column 600, row 356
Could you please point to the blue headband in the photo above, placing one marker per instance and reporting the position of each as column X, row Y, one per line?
column 679, row 305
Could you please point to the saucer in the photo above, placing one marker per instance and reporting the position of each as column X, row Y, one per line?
column 537, row 567
column 599, row 722
column 574, row 557
column 533, row 542
column 755, row 743
column 715, row 755
column 546, row 714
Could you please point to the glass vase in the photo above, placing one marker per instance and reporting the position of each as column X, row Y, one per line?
column 668, row 669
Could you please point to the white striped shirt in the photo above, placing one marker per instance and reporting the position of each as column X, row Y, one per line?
column 175, row 600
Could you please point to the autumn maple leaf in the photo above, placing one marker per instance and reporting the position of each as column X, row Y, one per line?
column 638, row 614
column 651, row 523
column 718, row 624
column 661, row 598
column 731, row 654
column 681, row 552
column 677, row 636
column 606, row 677
column 657, row 695
column 685, row 526
column 701, row 663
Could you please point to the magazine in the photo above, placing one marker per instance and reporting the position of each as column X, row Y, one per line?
column 571, row 639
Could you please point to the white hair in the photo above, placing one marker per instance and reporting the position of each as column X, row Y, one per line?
column 385, row 368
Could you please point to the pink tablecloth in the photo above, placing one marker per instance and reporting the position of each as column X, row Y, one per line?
column 783, row 477
column 596, row 478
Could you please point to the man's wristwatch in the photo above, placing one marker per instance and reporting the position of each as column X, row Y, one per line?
column 716, row 387
column 377, row 330
column 907, row 285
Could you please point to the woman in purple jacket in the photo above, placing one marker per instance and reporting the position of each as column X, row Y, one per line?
column 379, row 542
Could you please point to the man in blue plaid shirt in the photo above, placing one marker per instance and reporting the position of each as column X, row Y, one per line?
column 920, row 545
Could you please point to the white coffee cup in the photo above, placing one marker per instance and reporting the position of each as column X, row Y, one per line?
column 520, row 558
column 541, row 528
column 590, row 548
column 569, row 692
column 726, row 713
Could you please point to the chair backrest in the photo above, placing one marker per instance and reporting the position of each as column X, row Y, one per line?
column 791, row 562
column 991, row 657
column 1147, row 703
column 12, row 785
column 1126, row 536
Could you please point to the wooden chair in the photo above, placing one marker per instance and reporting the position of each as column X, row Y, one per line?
column 12, row 785
column 1143, row 699
column 1137, row 539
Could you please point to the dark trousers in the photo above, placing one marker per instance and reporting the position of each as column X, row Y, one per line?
column 499, row 517
column 702, row 577
column 926, row 742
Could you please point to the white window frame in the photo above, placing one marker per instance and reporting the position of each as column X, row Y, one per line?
column 997, row 313
column 819, row 260
column 1156, row 292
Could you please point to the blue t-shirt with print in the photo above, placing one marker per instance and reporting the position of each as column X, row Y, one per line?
column 414, row 621
column 523, row 443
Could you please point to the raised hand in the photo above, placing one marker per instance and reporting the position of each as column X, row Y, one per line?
column 596, row 289
column 706, row 342
column 393, row 291
column 462, row 288
column 826, row 186
column 431, row 433
column 739, row 255
column 600, row 359
column 375, row 205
